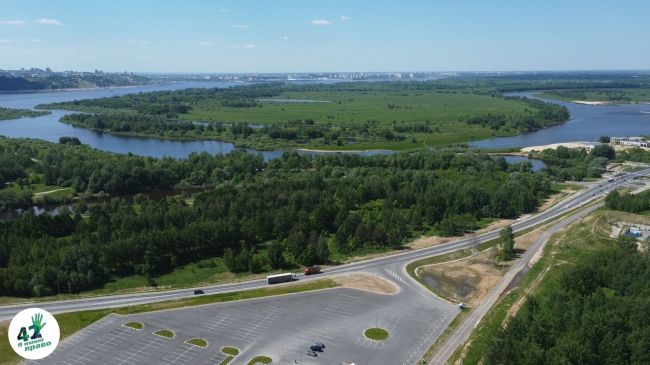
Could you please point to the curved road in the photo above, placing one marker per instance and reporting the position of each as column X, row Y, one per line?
column 112, row 301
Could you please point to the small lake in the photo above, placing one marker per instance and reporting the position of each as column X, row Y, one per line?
column 512, row 159
column 587, row 123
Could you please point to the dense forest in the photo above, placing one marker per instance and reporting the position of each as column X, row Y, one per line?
column 548, row 114
column 631, row 203
column 597, row 316
column 576, row 164
column 299, row 209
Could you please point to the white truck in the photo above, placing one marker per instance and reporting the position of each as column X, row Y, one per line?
column 280, row 278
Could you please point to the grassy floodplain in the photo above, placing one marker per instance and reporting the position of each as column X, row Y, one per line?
column 443, row 112
column 346, row 116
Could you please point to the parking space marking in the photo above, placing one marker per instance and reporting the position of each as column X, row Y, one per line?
column 183, row 354
column 262, row 321
column 218, row 325
column 149, row 345
column 217, row 358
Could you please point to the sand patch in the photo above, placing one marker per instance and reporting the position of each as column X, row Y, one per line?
column 367, row 282
column 590, row 102
column 425, row 241
column 467, row 280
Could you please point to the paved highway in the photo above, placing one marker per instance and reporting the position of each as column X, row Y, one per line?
column 112, row 301
column 462, row 333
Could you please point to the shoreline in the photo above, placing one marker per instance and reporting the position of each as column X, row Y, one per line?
column 380, row 150
column 592, row 103
column 72, row 89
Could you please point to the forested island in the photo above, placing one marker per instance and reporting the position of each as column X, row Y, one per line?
column 389, row 115
column 9, row 113
column 612, row 96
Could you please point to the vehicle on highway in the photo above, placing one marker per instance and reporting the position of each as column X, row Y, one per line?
column 198, row 292
column 312, row 270
column 281, row 278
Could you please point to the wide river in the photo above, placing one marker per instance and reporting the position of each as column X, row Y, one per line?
column 50, row 129
column 587, row 123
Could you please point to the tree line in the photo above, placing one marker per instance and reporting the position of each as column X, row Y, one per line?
column 291, row 211
column 576, row 163
column 631, row 203
column 597, row 315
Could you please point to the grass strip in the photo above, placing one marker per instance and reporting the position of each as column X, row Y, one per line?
column 260, row 360
column 165, row 333
column 135, row 325
column 377, row 334
column 200, row 342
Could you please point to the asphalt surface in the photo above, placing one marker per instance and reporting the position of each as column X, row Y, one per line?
column 281, row 327
column 112, row 301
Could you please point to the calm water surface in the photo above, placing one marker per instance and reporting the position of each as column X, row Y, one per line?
column 587, row 123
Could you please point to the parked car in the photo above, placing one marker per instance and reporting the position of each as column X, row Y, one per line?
column 198, row 292
column 319, row 344
column 315, row 347
column 311, row 353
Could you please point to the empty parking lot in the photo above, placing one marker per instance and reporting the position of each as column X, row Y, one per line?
column 279, row 327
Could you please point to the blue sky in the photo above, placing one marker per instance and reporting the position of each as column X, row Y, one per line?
column 332, row 35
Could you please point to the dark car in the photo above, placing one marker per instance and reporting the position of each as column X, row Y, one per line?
column 319, row 344
column 311, row 353
column 198, row 292
column 316, row 347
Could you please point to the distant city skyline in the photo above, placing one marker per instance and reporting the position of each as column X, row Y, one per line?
column 291, row 36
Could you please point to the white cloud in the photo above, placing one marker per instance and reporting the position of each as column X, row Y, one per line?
column 18, row 23
column 49, row 22
column 321, row 22
column 345, row 18
column 35, row 40
column 5, row 41
column 205, row 44
column 285, row 37
column 223, row 10
column 245, row 46
column 241, row 26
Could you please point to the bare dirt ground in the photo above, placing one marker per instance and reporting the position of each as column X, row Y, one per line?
column 469, row 279
column 367, row 282
column 425, row 241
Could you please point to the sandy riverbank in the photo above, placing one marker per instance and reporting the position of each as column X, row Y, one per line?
column 341, row 151
column 587, row 102
column 581, row 144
